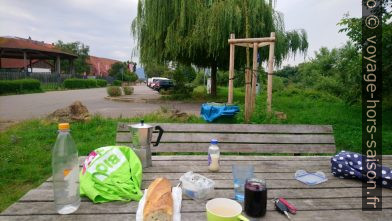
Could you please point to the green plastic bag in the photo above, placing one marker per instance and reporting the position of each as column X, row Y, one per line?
column 111, row 173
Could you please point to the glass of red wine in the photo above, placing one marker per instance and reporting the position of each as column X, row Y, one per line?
column 255, row 203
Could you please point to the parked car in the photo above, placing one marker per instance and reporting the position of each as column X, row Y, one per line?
column 153, row 80
column 163, row 84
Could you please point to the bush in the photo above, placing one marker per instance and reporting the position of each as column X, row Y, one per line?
column 73, row 83
column 101, row 83
column 128, row 90
column 199, row 92
column 117, row 83
column 277, row 84
column 199, row 80
column 19, row 86
column 114, row 91
column 166, row 92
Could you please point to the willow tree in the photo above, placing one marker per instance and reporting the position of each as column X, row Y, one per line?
column 196, row 32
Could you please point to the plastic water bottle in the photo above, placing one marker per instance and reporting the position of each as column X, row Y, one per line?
column 213, row 156
column 65, row 168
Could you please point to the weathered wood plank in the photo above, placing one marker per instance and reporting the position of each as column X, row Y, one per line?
column 237, row 128
column 222, row 176
column 36, row 208
column 278, row 164
column 272, row 183
column 325, row 215
column 304, row 193
column 386, row 158
column 243, row 148
column 204, row 169
column 236, row 138
column 228, row 176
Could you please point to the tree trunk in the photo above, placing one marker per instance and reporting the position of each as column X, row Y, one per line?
column 214, row 70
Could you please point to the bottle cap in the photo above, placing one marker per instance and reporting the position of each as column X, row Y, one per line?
column 214, row 141
column 64, row 126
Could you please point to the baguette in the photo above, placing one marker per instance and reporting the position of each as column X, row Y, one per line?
column 159, row 201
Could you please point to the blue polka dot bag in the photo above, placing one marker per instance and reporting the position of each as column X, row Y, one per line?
column 349, row 165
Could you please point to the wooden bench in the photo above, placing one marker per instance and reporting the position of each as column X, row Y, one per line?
column 239, row 138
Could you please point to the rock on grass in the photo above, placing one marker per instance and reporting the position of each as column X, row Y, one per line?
column 76, row 112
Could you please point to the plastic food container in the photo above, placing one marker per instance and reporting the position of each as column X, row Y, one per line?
column 196, row 186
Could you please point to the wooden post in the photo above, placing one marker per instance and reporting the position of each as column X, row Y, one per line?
column 58, row 68
column 270, row 73
column 231, row 71
column 254, row 77
column 25, row 62
column 71, row 66
column 248, row 92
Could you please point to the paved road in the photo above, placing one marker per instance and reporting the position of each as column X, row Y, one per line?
column 21, row 107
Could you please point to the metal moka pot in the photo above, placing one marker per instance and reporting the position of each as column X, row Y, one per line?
column 141, row 136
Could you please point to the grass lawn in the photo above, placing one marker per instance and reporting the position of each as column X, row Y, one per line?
column 25, row 148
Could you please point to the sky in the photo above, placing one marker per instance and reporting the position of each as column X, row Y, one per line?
column 105, row 25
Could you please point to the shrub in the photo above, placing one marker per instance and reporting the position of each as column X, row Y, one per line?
column 18, row 86
column 101, row 83
column 330, row 85
column 128, row 90
column 114, row 91
column 166, row 92
column 277, row 84
column 73, row 83
column 199, row 80
column 117, row 83
column 199, row 92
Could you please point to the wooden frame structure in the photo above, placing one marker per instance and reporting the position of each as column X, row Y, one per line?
column 251, row 77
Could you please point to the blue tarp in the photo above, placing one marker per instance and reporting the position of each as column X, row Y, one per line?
column 212, row 111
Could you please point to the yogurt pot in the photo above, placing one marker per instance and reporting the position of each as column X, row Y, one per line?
column 197, row 187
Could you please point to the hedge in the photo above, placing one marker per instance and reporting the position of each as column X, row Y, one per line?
column 101, row 83
column 73, row 83
column 117, row 83
column 19, row 86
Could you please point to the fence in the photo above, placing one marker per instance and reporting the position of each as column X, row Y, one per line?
column 48, row 80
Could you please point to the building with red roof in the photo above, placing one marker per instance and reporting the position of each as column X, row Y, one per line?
column 100, row 66
column 37, row 56
column 20, row 53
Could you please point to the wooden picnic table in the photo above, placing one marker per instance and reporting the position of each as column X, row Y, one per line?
column 336, row 199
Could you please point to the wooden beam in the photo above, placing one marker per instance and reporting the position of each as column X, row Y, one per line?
column 243, row 45
column 231, row 71
column 263, row 44
column 270, row 73
column 251, row 40
column 254, row 78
